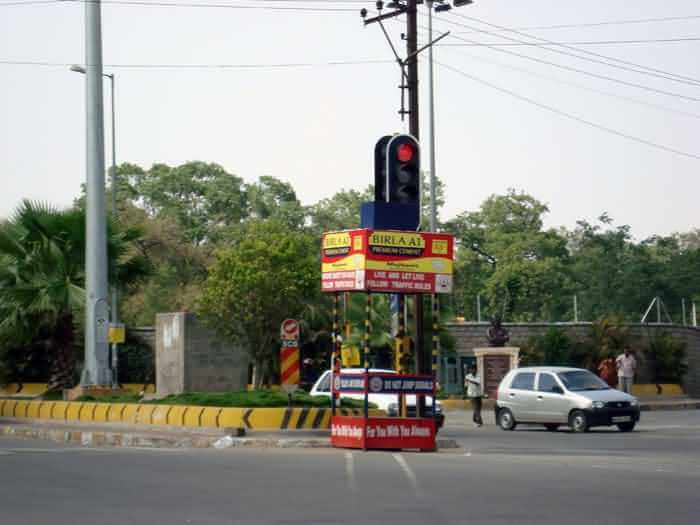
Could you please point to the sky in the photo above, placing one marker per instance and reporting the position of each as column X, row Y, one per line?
column 583, row 137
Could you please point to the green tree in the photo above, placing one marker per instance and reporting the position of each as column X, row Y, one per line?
column 267, row 275
column 505, row 254
column 42, row 276
column 271, row 198
column 202, row 197
column 339, row 212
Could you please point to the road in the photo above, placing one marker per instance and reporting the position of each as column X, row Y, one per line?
column 525, row 476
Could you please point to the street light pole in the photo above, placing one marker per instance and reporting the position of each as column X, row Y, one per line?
column 96, row 370
column 115, row 215
column 114, row 308
column 431, row 121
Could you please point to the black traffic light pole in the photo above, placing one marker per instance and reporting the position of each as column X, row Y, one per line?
column 414, row 129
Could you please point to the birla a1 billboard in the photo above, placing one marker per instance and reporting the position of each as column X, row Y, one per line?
column 387, row 261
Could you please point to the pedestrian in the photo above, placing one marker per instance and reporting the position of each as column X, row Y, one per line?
column 626, row 366
column 607, row 370
column 473, row 385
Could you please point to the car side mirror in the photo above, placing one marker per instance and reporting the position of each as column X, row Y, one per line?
column 556, row 389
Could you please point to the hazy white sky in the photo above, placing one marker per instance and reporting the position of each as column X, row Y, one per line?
column 316, row 126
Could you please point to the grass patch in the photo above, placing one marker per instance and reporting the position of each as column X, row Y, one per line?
column 253, row 399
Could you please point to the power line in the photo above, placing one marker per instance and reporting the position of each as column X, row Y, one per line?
column 649, row 71
column 584, row 88
column 570, row 116
column 586, row 42
column 142, row 3
column 291, row 65
column 605, row 23
column 583, row 72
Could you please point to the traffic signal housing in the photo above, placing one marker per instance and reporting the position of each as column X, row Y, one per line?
column 403, row 170
column 380, row 168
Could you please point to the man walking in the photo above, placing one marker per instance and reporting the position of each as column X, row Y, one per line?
column 473, row 385
column 626, row 365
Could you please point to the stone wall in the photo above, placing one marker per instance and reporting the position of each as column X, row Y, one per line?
column 191, row 358
column 473, row 335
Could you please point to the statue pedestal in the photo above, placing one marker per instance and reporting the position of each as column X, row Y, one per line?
column 493, row 363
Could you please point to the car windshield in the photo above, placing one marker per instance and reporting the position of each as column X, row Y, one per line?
column 579, row 380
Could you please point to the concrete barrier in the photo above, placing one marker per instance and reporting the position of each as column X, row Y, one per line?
column 281, row 418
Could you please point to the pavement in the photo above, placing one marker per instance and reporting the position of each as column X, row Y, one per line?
column 649, row 476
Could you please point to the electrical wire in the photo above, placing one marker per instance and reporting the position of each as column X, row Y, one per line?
column 650, row 71
column 652, row 105
column 582, row 71
column 223, row 5
column 570, row 116
column 589, row 42
column 604, row 23
column 206, row 66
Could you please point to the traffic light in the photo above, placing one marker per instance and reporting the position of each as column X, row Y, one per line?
column 380, row 169
column 402, row 170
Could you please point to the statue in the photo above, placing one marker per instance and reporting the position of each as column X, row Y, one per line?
column 496, row 334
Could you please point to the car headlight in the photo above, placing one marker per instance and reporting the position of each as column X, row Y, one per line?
column 634, row 402
column 598, row 404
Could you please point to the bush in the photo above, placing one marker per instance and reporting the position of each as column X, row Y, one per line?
column 553, row 349
column 666, row 358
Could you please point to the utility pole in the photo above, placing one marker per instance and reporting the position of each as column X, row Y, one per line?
column 96, row 370
column 422, row 365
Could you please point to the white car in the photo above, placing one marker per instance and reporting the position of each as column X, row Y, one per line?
column 385, row 402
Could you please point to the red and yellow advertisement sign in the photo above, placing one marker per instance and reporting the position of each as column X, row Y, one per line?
column 387, row 261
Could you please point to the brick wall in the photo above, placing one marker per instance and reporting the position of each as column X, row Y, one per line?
column 473, row 335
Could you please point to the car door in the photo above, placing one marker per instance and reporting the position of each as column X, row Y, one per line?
column 521, row 396
column 551, row 405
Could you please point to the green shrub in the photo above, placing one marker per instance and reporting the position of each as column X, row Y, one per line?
column 666, row 358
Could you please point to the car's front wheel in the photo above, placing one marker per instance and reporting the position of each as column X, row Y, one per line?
column 506, row 420
column 578, row 421
column 626, row 427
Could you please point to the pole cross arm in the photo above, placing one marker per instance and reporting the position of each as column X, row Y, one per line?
column 379, row 18
column 426, row 46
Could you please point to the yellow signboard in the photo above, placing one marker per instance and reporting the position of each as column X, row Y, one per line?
column 350, row 356
column 117, row 334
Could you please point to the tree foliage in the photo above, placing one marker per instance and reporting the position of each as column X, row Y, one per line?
column 252, row 286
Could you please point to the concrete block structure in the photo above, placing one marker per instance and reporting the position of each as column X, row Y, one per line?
column 192, row 358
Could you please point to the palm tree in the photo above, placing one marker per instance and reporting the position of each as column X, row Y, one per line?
column 42, row 278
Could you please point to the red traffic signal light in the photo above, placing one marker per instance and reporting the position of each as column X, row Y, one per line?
column 404, row 152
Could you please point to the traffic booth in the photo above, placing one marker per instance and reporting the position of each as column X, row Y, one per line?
column 402, row 263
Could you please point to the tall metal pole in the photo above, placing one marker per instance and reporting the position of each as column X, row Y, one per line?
column 478, row 308
column 422, row 367
column 115, row 215
column 695, row 316
column 658, row 310
column 431, row 121
column 96, row 370
column 575, row 308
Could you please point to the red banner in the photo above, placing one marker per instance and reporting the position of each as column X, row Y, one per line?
column 383, row 433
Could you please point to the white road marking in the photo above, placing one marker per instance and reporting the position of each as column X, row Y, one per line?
column 407, row 470
column 350, row 471
column 468, row 453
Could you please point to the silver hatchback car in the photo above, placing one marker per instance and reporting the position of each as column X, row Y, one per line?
column 554, row 396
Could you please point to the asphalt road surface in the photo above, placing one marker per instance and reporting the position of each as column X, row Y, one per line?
column 527, row 476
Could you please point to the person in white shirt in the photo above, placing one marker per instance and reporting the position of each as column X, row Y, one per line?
column 626, row 366
column 473, row 385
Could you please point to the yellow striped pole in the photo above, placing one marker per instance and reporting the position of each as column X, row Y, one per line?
column 368, row 328
column 436, row 348
column 334, row 347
